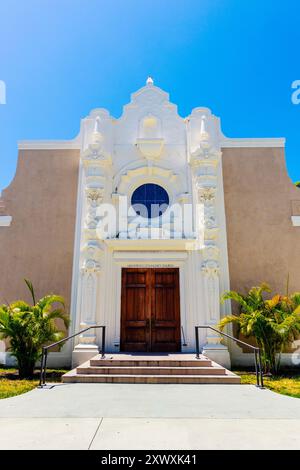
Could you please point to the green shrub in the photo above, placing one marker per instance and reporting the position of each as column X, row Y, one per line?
column 29, row 327
column 274, row 323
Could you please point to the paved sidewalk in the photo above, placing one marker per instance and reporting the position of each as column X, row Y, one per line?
column 143, row 416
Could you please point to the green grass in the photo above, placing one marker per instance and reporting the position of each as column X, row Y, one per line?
column 11, row 385
column 288, row 383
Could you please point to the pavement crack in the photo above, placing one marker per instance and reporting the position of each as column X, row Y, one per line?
column 95, row 434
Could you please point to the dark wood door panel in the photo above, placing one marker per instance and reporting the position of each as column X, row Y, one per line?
column 165, row 310
column 134, row 310
column 150, row 312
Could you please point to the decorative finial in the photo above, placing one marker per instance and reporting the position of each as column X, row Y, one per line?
column 97, row 125
column 149, row 81
column 97, row 136
column 204, row 135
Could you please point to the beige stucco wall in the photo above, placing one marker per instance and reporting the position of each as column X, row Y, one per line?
column 260, row 198
column 39, row 243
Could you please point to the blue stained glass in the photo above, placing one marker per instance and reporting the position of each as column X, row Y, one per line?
column 153, row 197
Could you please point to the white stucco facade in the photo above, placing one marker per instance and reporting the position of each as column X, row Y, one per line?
column 150, row 143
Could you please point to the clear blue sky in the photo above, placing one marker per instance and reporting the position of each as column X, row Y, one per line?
column 61, row 58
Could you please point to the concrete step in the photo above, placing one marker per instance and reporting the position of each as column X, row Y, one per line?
column 149, row 370
column 71, row 377
column 144, row 361
column 174, row 368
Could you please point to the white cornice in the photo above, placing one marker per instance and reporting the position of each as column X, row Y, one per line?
column 259, row 142
column 48, row 144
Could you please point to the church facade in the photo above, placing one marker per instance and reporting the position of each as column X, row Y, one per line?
column 142, row 222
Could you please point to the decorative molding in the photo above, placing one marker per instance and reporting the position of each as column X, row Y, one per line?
column 210, row 268
column 94, row 198
column 150, row 256
column 49, row 144
column 91, row 254
column 94, row 195
column 151, row 149
column 205, row 155
column 181, row 244
column 255, row 142
column 207, row 194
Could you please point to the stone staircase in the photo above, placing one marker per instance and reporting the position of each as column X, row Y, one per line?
column 151, row 368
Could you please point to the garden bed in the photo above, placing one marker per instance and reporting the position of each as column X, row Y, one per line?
column 286, row 383
column 11, row 385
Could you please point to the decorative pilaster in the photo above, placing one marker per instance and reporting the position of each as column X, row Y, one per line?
column 90, row 270
column 204, row 162
column 96, row 168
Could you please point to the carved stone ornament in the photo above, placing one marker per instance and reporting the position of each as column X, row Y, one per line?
column 94, row 195
column 205, row 155
column 207, row 194
column 211, row 252
column 91, row 257
column 210, row 268
column 95, row 156
column 91, row 265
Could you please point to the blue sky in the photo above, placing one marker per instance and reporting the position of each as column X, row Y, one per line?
column 61, row 58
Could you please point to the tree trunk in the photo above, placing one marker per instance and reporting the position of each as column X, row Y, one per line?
column 26, row 368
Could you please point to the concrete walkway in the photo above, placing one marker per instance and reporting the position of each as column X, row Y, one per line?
column 143, row 416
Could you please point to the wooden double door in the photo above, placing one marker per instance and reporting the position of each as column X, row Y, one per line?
column 150, row 310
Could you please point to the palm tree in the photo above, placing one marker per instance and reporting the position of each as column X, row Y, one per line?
column 29, row 327
column 274, row 323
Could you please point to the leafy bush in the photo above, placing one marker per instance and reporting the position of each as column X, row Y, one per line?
column 29, row 327
column 274, row 323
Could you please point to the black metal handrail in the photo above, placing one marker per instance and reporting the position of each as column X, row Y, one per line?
column 46, row 348
column 257, row 352
column 183, row 337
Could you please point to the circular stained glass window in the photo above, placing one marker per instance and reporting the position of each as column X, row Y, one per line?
column 150, row 200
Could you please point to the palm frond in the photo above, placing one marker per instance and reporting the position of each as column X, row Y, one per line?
column 31, row 289
column 229, row 319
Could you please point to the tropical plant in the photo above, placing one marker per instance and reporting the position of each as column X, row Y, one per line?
column 297, row 183
column 273, row 323
column 29, row 327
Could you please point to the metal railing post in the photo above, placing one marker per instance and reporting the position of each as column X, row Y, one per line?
column 42, row 368
column 260, row 370
column 45, row 349
column 256, row 368
column 257, row 352
column 183, row 337
column 45, row 366
column 103, row 343
column 197, row 343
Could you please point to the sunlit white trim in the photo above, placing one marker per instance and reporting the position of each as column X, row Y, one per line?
column 5, row 220
column 296, row 220
column 48, row 144
column 272, row 142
